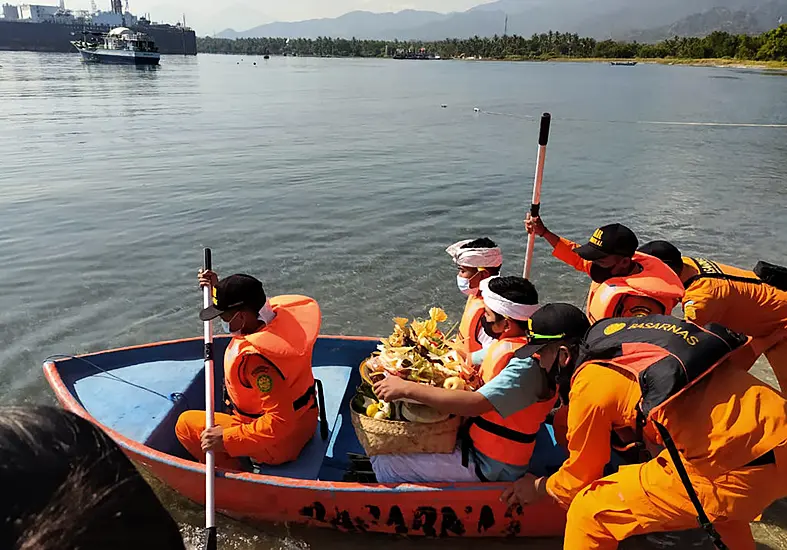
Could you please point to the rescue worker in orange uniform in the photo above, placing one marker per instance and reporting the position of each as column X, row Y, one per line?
column 626, row 283
column 668, row 382
column 736, row 298
column 507, row 411
column 268, row 381
column 476, row 260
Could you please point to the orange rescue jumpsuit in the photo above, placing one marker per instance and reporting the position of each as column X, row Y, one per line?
column 270, row 386
column 757, row 310
column 728, row 430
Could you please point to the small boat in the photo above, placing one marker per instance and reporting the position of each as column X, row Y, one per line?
column 623, row 63
column 266, row 56
column 136, row 395
column 120, row 45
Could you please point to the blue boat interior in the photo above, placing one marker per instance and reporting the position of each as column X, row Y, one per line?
column 140, row 393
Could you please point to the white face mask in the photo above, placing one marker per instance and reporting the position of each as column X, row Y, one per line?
column 464, row 285
column 225, row 326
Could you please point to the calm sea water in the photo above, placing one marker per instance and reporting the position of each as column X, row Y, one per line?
column 345, row 180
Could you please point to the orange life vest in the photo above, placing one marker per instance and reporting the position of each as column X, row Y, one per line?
column 665, row 355
column 471, row 323
column 508, row 440
column 656, row 281
column 287, row 343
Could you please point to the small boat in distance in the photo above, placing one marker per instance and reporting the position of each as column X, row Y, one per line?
column 120, row 45
column 624, row 63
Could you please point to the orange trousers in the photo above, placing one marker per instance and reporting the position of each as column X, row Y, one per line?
column 189, row 430
column 649, row 498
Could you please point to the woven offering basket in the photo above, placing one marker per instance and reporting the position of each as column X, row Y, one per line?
column 387, row 437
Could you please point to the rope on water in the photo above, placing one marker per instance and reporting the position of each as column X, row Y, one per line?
column 650, row 122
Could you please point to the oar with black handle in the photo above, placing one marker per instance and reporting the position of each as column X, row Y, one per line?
column 209, row 538
column 535, row 203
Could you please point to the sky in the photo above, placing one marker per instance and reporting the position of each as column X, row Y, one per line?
column 211, row 16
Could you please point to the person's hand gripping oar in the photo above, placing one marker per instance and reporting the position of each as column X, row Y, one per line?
column 535, row 204
column 209, row 537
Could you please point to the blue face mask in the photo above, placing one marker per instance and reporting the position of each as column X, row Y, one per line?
column 225, row 326
column 464, row 285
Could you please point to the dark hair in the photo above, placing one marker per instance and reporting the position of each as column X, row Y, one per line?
column 666, row 252
column 68, row 486
column 516, row 289
column 483, row 242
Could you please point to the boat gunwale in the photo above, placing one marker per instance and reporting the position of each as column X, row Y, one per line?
column 70, row 403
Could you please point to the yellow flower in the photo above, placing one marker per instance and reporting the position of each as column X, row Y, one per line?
column 401, row 322
column 437, row 315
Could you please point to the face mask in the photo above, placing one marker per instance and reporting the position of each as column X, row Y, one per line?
column 464, row 285
column 601, row 274
column 489, row 329
column 225, row 326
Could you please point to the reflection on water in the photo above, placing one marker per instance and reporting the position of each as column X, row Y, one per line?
column 345, row 179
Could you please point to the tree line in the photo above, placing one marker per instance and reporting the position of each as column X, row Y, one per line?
column 770, row 46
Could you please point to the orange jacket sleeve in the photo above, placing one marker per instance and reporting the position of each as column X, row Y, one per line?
column 703, row 304
column 278, row 414
column 589, row 431
column 564, row 251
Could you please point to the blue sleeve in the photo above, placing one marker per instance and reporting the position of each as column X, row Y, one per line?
column 477, row 357
column 518, row 386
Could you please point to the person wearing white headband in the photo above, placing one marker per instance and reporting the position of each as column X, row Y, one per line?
column 270, row 417
column 507, row 412
column 476, row 260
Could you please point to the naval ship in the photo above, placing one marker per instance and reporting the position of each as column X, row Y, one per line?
column 43, row 28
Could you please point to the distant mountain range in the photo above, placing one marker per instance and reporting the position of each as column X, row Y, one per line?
column 755, row 21
column 597, row 18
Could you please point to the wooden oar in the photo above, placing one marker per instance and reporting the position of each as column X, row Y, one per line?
column 209, row 538
column 535, row 203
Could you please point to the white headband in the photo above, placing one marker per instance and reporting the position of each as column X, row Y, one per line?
column 503, row 306
column 475, row 257
column 266, row 313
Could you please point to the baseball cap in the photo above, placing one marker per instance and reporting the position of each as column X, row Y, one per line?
column 557, row 322
column 614, row 239
column 234, row 292
column 664, row 251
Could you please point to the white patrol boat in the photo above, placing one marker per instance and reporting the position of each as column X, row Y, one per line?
column 120, row 45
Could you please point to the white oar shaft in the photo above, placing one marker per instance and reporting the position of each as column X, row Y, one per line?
column 535, row 202
column 210, row 464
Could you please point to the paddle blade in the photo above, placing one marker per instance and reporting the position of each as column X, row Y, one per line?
column 209, row 539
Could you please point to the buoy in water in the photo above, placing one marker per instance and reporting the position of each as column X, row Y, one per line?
column 443, row 105
column 476, row 110
column 255, row 63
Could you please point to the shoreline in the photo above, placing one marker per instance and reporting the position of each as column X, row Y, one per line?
column 710, row 62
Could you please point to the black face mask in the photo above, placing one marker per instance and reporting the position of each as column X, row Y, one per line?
column 560, row 380
column 601, row 274
column 487, row 326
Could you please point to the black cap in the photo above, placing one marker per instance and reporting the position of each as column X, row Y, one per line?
column 614, row 239
column 554, row 322
column 666, row 252
column 234, row 292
